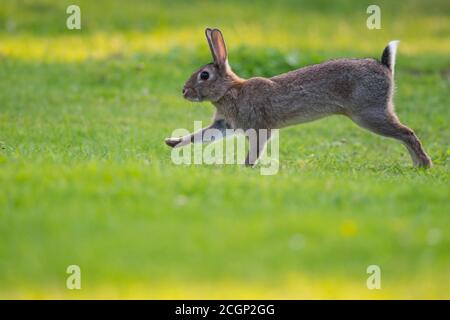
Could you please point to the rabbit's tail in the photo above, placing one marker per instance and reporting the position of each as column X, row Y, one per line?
column 388, row 56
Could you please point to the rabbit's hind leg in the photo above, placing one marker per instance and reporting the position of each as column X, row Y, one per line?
column 385, row 123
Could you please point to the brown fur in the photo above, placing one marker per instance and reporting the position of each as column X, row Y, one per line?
column 361, row 89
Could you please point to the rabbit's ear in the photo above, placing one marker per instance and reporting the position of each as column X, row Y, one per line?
column 208, row 32
column 217, row 46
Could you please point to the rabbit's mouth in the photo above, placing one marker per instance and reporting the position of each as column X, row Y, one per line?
column 191, row 95
column 193, row 99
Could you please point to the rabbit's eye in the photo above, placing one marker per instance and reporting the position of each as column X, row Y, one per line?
column 204, row 75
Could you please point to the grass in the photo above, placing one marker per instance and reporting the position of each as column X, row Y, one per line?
column 86, row 179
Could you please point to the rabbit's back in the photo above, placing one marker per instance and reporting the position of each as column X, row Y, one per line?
column 339, row 86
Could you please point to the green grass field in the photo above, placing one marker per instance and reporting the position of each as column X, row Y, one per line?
column 86, row 179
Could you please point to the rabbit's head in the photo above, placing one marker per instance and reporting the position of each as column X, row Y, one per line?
column 213, row 80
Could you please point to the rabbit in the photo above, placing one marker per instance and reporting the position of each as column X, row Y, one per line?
column 360, row 89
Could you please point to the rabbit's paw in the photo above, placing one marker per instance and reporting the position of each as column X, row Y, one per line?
column 173, row 142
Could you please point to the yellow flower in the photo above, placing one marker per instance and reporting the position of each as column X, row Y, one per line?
column 348, row 228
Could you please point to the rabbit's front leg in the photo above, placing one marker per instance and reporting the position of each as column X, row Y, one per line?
column 219, row 123
column 257, row 142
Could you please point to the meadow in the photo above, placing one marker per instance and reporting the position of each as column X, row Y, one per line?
column 86, row 179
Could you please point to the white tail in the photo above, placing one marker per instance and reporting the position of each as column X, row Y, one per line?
column 389, row 53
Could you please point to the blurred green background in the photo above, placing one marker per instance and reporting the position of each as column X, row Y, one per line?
column 86, row 179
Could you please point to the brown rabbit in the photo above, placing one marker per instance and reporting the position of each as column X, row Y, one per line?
column 360, row 89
